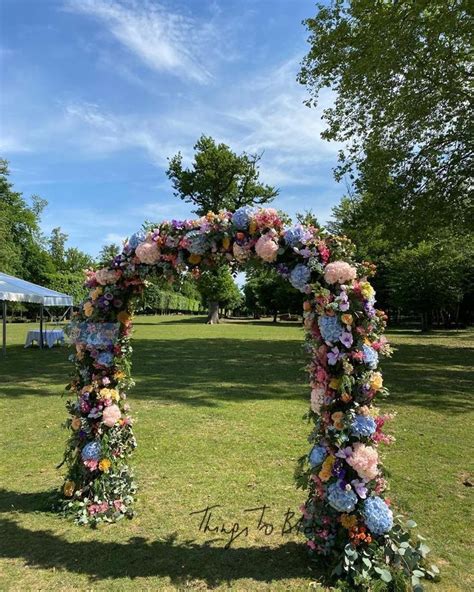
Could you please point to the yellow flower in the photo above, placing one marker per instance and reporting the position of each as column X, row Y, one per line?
column 252, row 227
column 76, row 423
column 335, row 383
column 347, row 319
column 194, row 258
column 326, row 470
column 109, row 393
column 367, row 290
column 377, row 381
column 348, row 521
column 68, row 488
column 226, row 242
column 119, row 375
column 105, row 465
column 96, row 292
column 88, row 308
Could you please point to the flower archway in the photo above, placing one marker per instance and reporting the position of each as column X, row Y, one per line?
column 347, row 515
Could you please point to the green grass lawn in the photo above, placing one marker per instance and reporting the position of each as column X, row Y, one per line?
column 218, row 420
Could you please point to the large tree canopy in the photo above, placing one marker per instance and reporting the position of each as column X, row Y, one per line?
column 219, row 179
column 400, row 72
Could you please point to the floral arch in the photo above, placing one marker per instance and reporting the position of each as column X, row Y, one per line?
column 347, row 515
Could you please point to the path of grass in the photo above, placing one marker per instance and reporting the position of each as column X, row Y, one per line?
column 218, row 418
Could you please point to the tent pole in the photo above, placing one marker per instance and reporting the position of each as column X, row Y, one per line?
column 4, row 311
column 41, row 327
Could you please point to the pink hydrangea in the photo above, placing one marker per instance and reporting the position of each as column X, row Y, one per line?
column 111, row 415
column 364, row 460
column 267, row 218
column 339, row 272
column 266, row 248
column 317, row 399
column 148, row 252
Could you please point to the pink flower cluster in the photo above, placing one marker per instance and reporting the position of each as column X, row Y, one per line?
column 339, row 272
column 364, row 460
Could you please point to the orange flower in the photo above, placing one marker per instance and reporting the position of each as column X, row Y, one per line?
column 68, row 488
column 307, row 305
column 326, row 470
column 346, row 397
column 88, row 308
column 337, row 419
column 76, row 423
column 123, row 317
column 226, row 243
column 194, row 259
column 105, row 465
column 347, row 319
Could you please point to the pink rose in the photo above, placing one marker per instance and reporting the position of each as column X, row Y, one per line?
column 266, row 248
column 111, row 415
column 148, row 252
column 106, row 276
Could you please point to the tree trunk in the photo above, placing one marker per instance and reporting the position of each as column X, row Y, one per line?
column 275, row 316
column 213, row 313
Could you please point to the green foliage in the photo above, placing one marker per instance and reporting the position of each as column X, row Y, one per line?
column 219, row 178
column 155, row 299
column 268, row 292
column 218, row 285
column 26, row 253
column 107, row 253
column 400, row 72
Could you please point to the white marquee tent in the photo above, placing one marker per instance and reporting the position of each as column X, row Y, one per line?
column 14, row 289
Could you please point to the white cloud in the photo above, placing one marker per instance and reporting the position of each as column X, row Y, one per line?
column 162, row 40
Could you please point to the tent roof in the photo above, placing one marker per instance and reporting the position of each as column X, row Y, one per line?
column 16, row 290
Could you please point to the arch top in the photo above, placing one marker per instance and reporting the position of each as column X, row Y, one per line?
column 249, row 236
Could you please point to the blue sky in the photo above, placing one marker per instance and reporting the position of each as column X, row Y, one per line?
column 96, row 94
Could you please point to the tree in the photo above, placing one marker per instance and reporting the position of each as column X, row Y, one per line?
column 57, row 249
column 219, row 178
column 400, row 72
column 427, row 279
column 268, row 292
column 107, row 253
column 217, row 286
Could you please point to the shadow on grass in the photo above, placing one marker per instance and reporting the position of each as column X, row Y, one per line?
column 433, row 376
column 207, row 371
column 139, row 557
column 39, row 501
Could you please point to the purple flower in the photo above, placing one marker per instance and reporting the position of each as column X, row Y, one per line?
column 360, row 488
column 333, row 356
column 346, row 339
column 345, row 452
column 343, row 300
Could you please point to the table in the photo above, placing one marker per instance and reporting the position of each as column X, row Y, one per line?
column 50, row 337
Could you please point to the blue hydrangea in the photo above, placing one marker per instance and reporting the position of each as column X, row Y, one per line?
column 91, row 451
column 317, row 455
column 296, row 234
column 105, row 358
column 330, row 327
column 363, row 426
column 340, row 499
column 136, row 239
column 378, row 516
column 300, row 276
column 197, row 242
column 241, row 217
column 371, row 357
